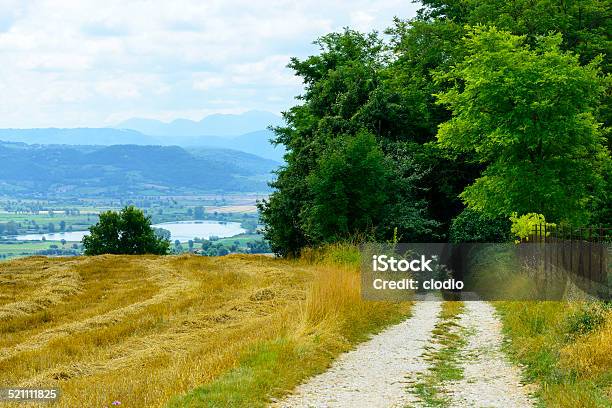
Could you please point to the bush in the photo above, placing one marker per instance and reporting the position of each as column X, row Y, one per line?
column 523, row 226
column 473, row 226
column 585, row 319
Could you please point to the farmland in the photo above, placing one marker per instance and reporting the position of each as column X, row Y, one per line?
column 30, row 216
column 151, row 331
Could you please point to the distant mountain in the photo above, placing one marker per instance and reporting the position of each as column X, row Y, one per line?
column 217, row 125
column 246, row 162
column 91, row 136
column 246, row 132
column 257, row 143
column 123, row 170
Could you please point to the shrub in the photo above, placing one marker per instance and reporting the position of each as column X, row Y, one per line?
column 585, row 319
column 523, row 226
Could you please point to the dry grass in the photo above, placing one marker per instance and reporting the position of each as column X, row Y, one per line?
column 142, row 330
column 330, row 320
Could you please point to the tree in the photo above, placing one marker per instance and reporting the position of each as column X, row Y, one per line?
column 62, row 225
column 51, row 228
column 163, row 233
column 344, row 97
column 350, row 190
column 198, row 213
column 527, row 114
column 473, row 226
column 126, row 232
column 583, row 24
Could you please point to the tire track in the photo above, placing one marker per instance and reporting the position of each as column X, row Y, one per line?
column 375, row 373
column 489, row 379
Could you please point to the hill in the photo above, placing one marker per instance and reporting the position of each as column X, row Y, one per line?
column 257, row 142
column 86, row 171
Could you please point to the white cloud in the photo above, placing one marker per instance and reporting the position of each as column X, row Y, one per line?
column 207, row 81
column 85, row 62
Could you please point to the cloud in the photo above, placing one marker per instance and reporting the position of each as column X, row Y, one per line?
column 87, row 63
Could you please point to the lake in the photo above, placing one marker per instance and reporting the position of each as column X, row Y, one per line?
column 181, row 230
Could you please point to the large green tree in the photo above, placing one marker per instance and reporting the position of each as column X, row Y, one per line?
column 126, row 232
column 344, row 94
column 528, row 114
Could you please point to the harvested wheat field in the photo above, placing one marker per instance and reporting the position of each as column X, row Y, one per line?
column 152, row 331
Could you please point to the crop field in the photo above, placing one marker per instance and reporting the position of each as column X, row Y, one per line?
column 16, row 249
column 178, row 330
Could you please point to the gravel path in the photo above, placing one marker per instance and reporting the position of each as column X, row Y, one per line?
column 375, row 373
column 490, row 380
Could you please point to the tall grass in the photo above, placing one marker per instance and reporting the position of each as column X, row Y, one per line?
column 566, row 349
column 330, row 320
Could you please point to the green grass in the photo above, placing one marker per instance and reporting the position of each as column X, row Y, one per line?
column 273, row 368
column 444, row 360
column 261, row 374
column 242, row 239
column 566, row 349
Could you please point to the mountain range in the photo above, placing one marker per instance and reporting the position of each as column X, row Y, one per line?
column 217, row 125
column 246, row 132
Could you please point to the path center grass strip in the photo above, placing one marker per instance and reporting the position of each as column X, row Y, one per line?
column 443, row 357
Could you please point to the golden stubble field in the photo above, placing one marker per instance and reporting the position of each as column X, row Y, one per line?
column 143, row 329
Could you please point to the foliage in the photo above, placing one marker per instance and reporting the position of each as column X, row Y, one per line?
column 523, row 227
column 516, row 111
column 349, row 189
column 345, row 98
column 474, row 226
column 162, row 233
column 198, row 213
column 583, row 24
column 126, row 232
column 585, row 319
column 528, row 115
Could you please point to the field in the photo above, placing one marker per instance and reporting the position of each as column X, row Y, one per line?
column 179, row 330
column 15, row 249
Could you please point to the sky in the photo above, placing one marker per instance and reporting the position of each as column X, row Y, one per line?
column 91, row 63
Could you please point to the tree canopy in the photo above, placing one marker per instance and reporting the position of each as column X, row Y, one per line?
column 126, row 232
column 484, row 106
column 528, row 114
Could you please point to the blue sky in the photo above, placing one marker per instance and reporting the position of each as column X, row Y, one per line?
column 95, row 63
